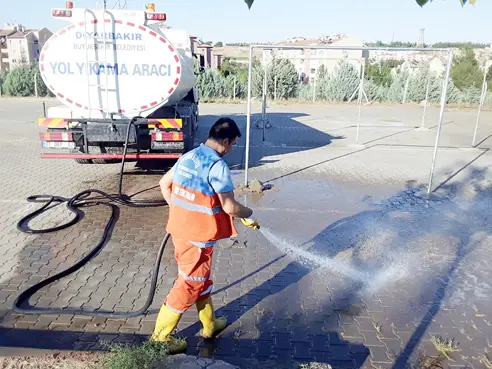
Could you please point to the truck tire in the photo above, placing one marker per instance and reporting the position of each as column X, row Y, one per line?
column 83, row 161
column 99, row 161
column 106, row 161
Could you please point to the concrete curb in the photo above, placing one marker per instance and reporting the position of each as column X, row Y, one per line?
column 192, row 362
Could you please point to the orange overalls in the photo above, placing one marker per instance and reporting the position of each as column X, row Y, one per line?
column 196, row 222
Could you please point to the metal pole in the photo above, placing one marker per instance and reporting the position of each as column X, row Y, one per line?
column 35, row 85
column 263, row 109
column 44, row 109
column 349, row 48
column 441, row 116
column 314, row 90
column 426, row 100
column 265, row 87
column 480, row 104
column 361, row 88
column 248, row 115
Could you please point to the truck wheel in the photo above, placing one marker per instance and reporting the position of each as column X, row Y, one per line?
column 83, row 161
column 106, row 161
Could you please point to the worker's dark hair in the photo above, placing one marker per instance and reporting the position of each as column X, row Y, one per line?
column 224, row 128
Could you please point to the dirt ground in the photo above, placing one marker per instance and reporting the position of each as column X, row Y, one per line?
column 54, row 361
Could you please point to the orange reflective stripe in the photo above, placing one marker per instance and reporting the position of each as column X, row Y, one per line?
column 195, row 207
column 199, row 227
column 197, row 214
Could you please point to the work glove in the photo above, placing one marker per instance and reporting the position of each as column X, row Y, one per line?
column 250, row 223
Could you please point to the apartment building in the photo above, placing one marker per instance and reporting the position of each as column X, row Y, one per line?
column 20, row 45
column 307, row 60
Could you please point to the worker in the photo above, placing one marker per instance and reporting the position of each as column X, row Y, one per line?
column 202, row 209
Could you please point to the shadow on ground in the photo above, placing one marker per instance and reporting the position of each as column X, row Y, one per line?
column 314, row 309
column 321, row 307
column 286, row 135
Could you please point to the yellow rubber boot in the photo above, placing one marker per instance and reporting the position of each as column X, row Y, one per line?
column 211, row 324
column 166, row 321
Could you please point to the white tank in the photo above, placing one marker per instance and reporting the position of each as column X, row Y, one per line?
column 117, row 62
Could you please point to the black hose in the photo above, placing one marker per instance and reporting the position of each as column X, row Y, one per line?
column 74, row 204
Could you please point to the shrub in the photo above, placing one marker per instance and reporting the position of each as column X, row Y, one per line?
column 342, row 83
column 145, row 356
column 375, row 91
column 19, row 82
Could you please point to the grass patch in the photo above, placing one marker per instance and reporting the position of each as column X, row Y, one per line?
column 237, row 334
column 64, row 360
column 485, row 360
column 144, row 356
column 378, row 327
column 429, row 362
column 445, row 346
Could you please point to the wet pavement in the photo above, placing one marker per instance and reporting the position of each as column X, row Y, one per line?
column 353, row 267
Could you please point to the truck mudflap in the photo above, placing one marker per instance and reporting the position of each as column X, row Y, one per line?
column 105, row 139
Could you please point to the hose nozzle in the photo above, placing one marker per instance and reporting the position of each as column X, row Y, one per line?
column 250, row 223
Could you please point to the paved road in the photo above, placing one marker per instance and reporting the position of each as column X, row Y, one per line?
column 353, row 267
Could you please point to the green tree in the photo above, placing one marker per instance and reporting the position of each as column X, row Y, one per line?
column 460, row 45
column 286, row 77
column 380, row 73
column 196, row 67
column 281, row 71
column 375, row 92
column 417, row 86
column 241, row 87
column 40, row 85
column 397, row 88
column 342, row 83
column 219, row 44
column 211, row 84
column 19, row 82
column 321, row 72
column 231, row 68
column 466, row 71
column 228, row 67
column 3, row 76
column 393, row 44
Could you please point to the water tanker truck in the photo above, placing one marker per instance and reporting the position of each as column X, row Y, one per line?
column 125, row 80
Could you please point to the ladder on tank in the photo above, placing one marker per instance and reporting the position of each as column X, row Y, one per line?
column 90, row 20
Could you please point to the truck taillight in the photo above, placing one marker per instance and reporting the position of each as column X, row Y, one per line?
column 56, row 136
column 61, row 13
column 167, row 136
column 156, row 16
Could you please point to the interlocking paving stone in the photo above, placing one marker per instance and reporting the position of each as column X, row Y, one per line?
column 286, row 308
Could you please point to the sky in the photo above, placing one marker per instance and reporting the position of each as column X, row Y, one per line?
column 277, row 20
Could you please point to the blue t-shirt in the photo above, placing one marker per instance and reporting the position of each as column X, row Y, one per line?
column 219, row 176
